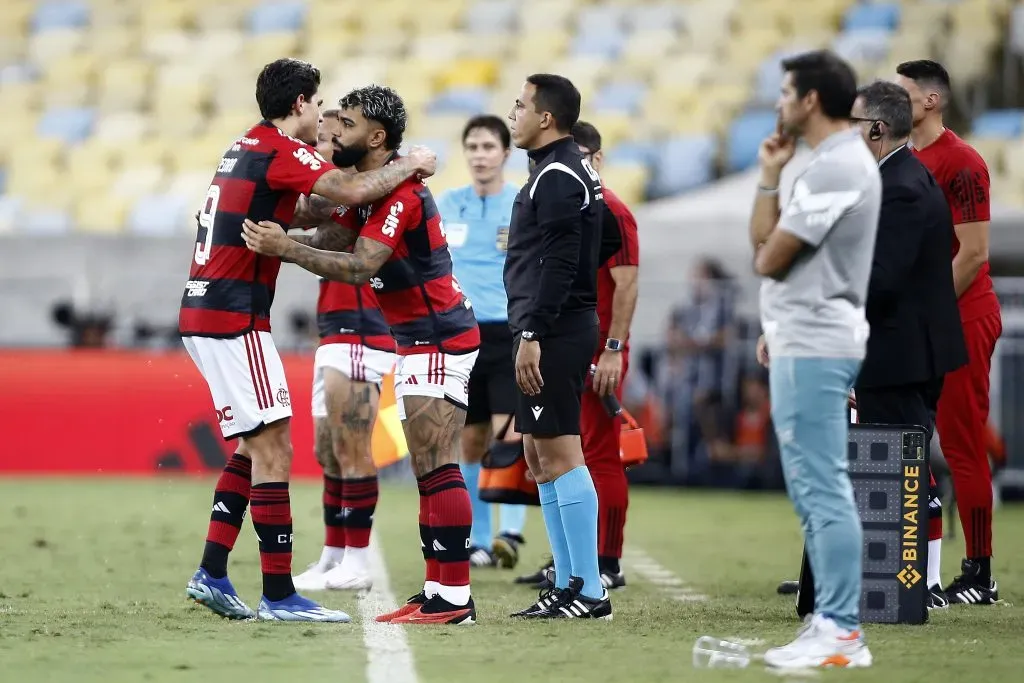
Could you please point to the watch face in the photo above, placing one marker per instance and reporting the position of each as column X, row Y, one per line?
column 527, row 335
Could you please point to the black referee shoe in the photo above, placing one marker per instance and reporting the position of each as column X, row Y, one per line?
column 574, row 605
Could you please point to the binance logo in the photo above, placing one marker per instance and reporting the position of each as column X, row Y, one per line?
column 909, row 576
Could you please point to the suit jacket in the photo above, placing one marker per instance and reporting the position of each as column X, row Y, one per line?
column 916, row 335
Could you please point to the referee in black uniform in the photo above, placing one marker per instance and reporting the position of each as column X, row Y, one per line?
column 551, row 283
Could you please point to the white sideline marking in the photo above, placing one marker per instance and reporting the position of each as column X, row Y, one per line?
column 388, row 657
column 665, row 579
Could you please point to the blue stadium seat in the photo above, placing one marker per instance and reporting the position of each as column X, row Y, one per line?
column 60, row 14
column 70, row 124
column 43, row 221
column 621, row 96
column 491, row 16
column 632, row 151
column 745, row 136
column 460, row 100
column 597, row 44
column 603, row 19
column 18, row 73
column 769, row 74
column 999, row 123
column 271, row 17
column 157, row 214
column 681, row 164
column 863, row 45
column 874, row 15
column 666, row 15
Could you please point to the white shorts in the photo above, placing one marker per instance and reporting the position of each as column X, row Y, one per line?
column 438, row 375
column 246, row 380
column 357, row 362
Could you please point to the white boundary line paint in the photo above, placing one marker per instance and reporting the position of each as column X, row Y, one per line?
column 388, row 657
column 665, row 579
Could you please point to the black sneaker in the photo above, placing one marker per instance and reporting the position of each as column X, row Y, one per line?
column 970, row 589
column 612, row 580
column 506, row 549
column 576, row 606
column 788, row 588
column 549, row 599
column 539, row 579
column 937, row 598
column 481, row 557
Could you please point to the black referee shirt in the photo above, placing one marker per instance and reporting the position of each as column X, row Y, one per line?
column 553, row 243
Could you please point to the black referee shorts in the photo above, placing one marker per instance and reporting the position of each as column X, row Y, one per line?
column 492, row 383
column 564, row 363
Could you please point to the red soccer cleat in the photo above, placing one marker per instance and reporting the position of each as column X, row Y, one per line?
column 439, row 611
column 411, row 605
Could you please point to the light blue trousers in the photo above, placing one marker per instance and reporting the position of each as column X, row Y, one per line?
column 809, row 400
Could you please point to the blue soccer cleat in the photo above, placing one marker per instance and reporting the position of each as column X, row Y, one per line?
column 297, row 608
column 218, row 595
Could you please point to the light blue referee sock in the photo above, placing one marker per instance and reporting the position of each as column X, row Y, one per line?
column 577, row 503
column 480, row 533
column 511, row 519
column 556, row 533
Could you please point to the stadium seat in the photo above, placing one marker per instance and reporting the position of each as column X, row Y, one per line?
column 601, row 20
column 69, row 125
column 171, row 16
column 660, row 17
column 469, row 71
column 100, row 214
column 466, row 100
column 10, row 207
column 620, row 96
column 683, row 163
column 443, row 16
column 50, row 45
column 628, row 181
column 44, row 220
column 745, row 135
column 631, row 152
column 873, row 15
column 614, row 126
column 138, row 179
column 998, row 123
column 602, row 45
column 57, row 14
column 442, row 146
column 158, row 215
column 271, row 17
column 491, row 16
column 863, row 45
column 991, row 150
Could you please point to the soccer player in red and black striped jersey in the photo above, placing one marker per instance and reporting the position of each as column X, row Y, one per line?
column 225, row 326
column 962, row 416
column 356, row 352
column 402, row 252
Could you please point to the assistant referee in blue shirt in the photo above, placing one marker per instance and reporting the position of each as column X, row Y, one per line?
column 476, row 219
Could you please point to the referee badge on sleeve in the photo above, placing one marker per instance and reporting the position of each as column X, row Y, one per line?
column 501, row 240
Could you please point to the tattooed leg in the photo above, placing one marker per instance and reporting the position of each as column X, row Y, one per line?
column 324, row 448
column 432, row 428
column 352, row 407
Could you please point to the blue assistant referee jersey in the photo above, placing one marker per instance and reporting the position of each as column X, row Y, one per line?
column 477, row 231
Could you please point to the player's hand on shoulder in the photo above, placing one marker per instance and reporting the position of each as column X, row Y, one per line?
column 266, row 237
column 424, row 160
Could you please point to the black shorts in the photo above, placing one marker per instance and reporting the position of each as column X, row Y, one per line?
column 492, row 383
column 564, row 364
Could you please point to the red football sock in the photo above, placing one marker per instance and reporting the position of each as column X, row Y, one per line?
column 934, row 510
column 272, row 520
column 360, row 501
column 433, row 571
column 451, row 517
column 334, row 521
column 230, row 499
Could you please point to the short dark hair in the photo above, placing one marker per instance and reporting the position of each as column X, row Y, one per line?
column 928, row 73
column 586, row 135
column 557, row 96
column 827, row 74
column 491, row 123
column 280, row 83
column 381, row 104
column 889, row 103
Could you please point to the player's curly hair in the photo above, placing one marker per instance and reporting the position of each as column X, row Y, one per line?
column 381, row 104
column 281, row 82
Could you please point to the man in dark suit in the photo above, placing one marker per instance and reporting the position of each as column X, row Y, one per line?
column 916, row 335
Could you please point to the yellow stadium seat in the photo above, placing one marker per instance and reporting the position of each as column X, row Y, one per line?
column 1008, row 191
column 332, row 12
column 438, row 46
column 138, row 179
column 1013, row 161
column 71, row 70
column 123, row 126
column 707, row 25
column 83, row 180
column 233, row 123
column 407, row 70
column 167, row 46
column 218, row 46
column 15, row 19
column 438, row 16
column 381, row 23
column 50, row 45
column 496, row 46
column 100, row 214
column 200, row 152
column 115, row 14
column 645, row 47
column 439, row 126
column 992, row 151
column 545, row 15
column 469, row 72
column 167, row 15
column 20, row 97
column 371, row 44
column 221, row 15
column 94, row 156
column 174, row 125
column 180, row 98
column 31, row 177
column 745, row 50
column 260, row 50
column 614, row 127
column 113, row 42
column 763, row 14
column 156, row 150
column 544, row 45
column 336, row 35
column 585, row 72
column 628, row 181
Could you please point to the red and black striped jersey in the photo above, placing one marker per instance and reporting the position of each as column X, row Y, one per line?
column 419, row 296
column 350, row 314
column 230, row 289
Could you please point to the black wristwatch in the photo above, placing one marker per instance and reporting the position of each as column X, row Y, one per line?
column 614, row 345
column 529, row 335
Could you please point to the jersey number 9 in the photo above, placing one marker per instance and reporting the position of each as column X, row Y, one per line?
column 206, row 219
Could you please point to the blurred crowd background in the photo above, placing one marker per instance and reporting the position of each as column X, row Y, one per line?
column 116, row 113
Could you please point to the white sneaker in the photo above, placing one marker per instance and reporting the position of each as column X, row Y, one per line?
column 346, row 578
column 820, row 643
column 313, row 578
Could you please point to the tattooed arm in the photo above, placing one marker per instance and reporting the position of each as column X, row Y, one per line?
column 270, row 239
column 354, row 189
column 311, row 211
column 329, row 236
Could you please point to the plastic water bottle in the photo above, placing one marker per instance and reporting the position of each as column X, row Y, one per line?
column 714, row 653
